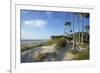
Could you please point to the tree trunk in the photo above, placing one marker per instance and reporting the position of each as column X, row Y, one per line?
column 78, row 29
column 73, row 32
column 82, row 30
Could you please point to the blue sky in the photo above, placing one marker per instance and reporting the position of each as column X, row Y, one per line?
column 43, row 24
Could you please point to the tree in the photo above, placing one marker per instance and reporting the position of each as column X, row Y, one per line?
column 86, row 15
column 83, row 15
column 78, row 23
column 73, row 31
column 66, row 25
column 82, row 34
column 87, row 30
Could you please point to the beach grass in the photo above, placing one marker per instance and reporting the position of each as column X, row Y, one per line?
column 30, row 47
column 82, row 55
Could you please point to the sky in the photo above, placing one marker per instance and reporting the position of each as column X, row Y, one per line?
column 37, row 24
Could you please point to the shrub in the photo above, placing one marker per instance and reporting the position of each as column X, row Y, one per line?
column 61, row 43
column 50, row 42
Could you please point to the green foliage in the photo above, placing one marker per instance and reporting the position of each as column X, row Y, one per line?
column 52, row 41
column 67, row 24
column 61, row 44
column 57, row 37
column 30, row 47
column 41, row 57
column 69, row 38
column 85, row 45
column 82, row 55
column 61, row 36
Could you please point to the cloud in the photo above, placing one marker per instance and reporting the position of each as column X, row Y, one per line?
column 36, row 23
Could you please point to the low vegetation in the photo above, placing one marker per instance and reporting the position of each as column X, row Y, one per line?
column 73, row 51
column 52, row 41
column 30, row 47
column 42, row 56
column 61, row 44
column 69, row 38
column 82, row 55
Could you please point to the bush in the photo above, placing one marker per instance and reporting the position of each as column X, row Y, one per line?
column 62, row 36
column 52, row 41
column 61, row 43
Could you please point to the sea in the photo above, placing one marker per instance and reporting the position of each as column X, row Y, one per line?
column 29, row 42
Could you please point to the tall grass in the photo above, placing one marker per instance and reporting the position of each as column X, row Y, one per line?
column 61, row 44
column 82, row 55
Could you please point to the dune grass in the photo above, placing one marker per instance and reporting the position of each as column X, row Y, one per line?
column 73, row 51
column 30, row 47
column 51, row 41
column 82, row 55
column 42, row 56
column 61, row 44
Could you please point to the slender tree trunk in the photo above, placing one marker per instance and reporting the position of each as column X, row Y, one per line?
column 82, row 29
column 73, row 32
column 78, row 29
column 87, row 30
column 65, row 33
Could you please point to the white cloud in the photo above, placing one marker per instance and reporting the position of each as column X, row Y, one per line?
column 36, row 23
